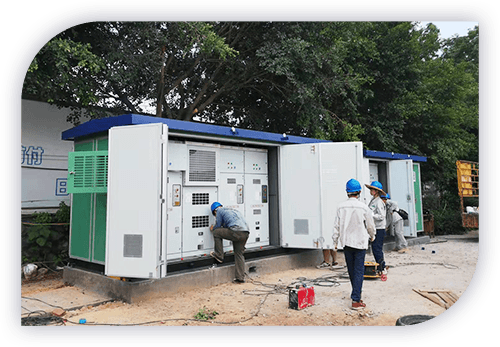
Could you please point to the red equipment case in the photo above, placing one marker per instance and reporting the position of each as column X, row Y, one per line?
column 300, row 297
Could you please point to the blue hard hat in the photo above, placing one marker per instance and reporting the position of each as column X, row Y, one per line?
column 215, row 206
column 352, row 186
column 386, row 196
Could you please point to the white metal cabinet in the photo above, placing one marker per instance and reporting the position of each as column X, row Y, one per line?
column 256, row 197
column 197, row 239
column 136, row 216
column 257, row 210
column 231, row 195
column 402, row 191
column 299, row 199
column 174, row 212
column 312, row 184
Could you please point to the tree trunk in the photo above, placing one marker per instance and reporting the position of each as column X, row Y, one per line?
column 161, row 85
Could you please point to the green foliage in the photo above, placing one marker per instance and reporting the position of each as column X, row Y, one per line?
column 58, row 73
column 63, row 214
column 45, row 241
column 386, row 84
column 445, row 207
column 204, row 36
column 205, row 314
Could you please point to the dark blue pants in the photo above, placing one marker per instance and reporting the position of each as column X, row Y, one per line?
column 377, row 249
column 355, row 260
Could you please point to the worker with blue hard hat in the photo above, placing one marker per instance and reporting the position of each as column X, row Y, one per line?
column 351, row 186
column 394, row 223
column 353, row 226
column 230, row 225
column 379, row 215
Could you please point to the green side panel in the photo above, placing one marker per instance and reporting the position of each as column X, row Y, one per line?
column 89, row 186
column 102, row 144
column 418, row 197
column 88, row 172
column 81, row 224
column 99, row 253
column 84, row 146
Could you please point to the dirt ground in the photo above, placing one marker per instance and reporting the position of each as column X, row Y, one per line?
column 447, row 263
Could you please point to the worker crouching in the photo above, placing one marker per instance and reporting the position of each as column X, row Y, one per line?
column 354, row 226
column 230, row 225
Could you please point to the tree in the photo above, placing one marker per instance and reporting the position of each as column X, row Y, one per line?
column 464, row 49
column 122, row 63
column 442, row 121
column 59, row 74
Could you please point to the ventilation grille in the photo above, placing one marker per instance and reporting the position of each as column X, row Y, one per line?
column 301, row 226
column 200, row 221
column 88, row 172
column 231, row 181
column 202, row 166
column 257, row 211
column 256, row 181
column 201, row 199
column 132, row 246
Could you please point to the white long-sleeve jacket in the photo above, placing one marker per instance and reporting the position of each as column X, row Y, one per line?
column 353, row 224
column 378, row 209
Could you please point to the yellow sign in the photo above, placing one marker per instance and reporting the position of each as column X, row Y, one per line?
column 468, row 178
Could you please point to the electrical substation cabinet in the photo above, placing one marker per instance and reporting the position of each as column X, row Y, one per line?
column 313, row 178
column 160, row 192
column 141, row 190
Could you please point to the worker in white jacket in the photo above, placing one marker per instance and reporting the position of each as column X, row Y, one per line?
column 354, row 226
column 394, row 223
column 378, row 208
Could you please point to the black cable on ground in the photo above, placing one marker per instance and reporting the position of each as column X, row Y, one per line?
column 326, row 280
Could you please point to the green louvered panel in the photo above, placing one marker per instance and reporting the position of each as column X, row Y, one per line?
column 88, row 172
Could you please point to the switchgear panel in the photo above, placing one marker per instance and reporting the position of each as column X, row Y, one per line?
column 197, row 217
column 201, row 173
column 256, row 161
column 256, row 210
column 174, row 215
column 231, row 160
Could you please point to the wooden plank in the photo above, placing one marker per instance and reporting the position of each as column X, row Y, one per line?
column 441, row 297
column 446, row 295
column 454, row 296
column 430, row 297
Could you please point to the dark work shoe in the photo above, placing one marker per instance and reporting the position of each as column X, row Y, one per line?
column 237, row 281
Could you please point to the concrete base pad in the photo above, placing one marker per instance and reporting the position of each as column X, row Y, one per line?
column 132, row 292
column 136, row 291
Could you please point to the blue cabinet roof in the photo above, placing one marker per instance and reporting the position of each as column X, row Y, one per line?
column 392, row 155
column 100, row 125
column 96, row 126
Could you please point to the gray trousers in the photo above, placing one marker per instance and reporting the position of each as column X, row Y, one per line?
column 399, row 233
column 239, row 239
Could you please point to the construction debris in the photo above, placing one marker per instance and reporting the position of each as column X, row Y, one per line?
column 443, row 298
column 58, row 312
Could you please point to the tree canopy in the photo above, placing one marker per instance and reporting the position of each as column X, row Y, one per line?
column 393, row 85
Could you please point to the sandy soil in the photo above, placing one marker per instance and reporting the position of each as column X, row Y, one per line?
column 448, row 264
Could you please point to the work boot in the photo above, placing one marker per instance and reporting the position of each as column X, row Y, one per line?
column 357, row 305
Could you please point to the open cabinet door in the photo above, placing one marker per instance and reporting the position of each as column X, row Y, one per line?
column 401, row 190
column 136, row 219
column 312, row 184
